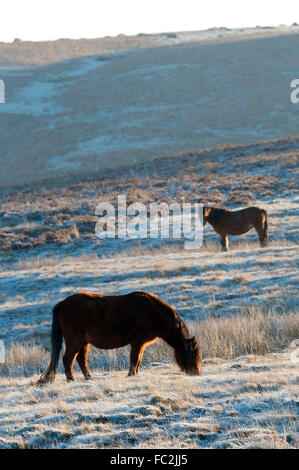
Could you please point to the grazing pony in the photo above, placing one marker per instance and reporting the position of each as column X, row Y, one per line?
column 226, row 222
column 114, row 321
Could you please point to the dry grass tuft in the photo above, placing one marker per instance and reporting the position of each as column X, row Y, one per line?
column 24, row 360
column 253, row 332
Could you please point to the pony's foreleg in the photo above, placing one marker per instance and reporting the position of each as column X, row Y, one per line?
column 68, row 361
column 82, row 361
column 135, row 357
column 224, row 242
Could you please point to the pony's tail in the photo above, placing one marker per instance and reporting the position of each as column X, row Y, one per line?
column 265, row 232
column 56, row 342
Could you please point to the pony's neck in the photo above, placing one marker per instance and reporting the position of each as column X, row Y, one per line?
column 172, row 328
column 174, row 342
column 176, row 336
column 215, row 215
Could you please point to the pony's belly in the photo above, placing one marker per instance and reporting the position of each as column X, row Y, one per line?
column 108, row 333
column 109, row 345
column 240, row 230
column 108, row 342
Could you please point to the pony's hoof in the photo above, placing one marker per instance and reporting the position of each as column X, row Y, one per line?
column 88, row 377
column 70, row 379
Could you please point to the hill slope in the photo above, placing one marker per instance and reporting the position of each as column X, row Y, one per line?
column 102, row 109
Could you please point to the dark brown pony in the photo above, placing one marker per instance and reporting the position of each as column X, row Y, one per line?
column 226, row 222
column 114, row 321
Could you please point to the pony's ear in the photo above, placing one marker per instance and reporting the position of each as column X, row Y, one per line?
column 206, row 210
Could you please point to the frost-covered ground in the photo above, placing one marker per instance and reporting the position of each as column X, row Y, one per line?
column 247, row 393
column 81, row 106
column 249, row 402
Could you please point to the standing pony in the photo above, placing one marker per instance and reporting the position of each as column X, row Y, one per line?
column 114, row 321
column 226, row 222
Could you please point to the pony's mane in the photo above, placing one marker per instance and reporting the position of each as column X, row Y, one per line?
column 179, row 323
column 216, row 212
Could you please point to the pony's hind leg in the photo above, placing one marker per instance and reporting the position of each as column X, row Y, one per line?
column 261, row 228
column 82, row 361
column 263, row 236
column 68, row 362
column 224, row 242
column 263, row 242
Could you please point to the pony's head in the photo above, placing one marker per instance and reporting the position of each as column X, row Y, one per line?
column 205, row 213
column 189, row 356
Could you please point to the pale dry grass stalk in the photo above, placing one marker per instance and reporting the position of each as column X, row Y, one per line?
column 24, row 359
column 74, row 232
column 37, row 262
column 53, row 260
column 253, row 332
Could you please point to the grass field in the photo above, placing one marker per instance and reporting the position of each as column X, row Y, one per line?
column 241, row 305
